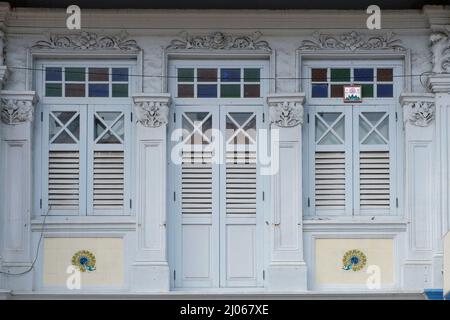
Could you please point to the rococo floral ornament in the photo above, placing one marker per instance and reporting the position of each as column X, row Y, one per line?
column 220, row 41
column 354, row 260
column 88, row 41
column 352, row 41
column 84, row 260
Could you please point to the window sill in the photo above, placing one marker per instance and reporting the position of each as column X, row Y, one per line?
column 394, row 224
column 84, row 223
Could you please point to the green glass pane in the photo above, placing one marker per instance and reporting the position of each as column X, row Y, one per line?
column 251, row 75
column 340, row 75
column 186, row 75
column 53, row 89
column 367, row 90
column 75, row 74
column 230, row 91
column 119, row 90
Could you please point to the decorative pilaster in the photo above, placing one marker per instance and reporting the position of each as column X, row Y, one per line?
column 151, row 269
column 287, row 269
column 439, row 83
column 16, row 110
column 421, row 269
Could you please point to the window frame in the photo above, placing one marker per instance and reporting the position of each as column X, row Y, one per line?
column 368, row 104
column 87, row 63
column 262, row 64
column 90, row 103
column 397, row 66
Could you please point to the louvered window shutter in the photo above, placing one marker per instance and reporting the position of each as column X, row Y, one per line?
column 374, row 160
column 330, row 161
column 107, row 161
column 330, row 180
column 64, row 161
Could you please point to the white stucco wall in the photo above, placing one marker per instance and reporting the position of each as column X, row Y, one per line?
column 153, row 31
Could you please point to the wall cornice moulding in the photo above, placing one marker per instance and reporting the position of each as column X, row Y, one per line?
column 286, row 109
column 86, row 40
column 419, row 108
column 152, row 109
column 220, row 41
column 439, row 83
column 352, row 41
column 17, row 106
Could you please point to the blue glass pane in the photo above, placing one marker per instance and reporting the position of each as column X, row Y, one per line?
column 119, row 74
column 53, row 74
column 319, row 90
column 207, row 91
column 98, row 90
column 230, row 75
column 385, row 90
column 363, row 74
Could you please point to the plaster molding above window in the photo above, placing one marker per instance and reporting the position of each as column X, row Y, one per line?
column 152, row 109
column 352, row 41
column 88, row 41
column 419, row 109
column 220, row 41
column 440, row 49
column 17, row 107
column 286, row 110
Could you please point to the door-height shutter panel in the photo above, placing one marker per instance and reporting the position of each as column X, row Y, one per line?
column 240, row 170
column 63, row 164
column 108, row 160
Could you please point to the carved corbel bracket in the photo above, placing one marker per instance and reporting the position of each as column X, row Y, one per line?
column 286, row 110
column 17, row 107
column 152, row 109
column 419, row 108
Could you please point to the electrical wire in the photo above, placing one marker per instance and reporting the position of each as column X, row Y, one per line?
column 37, row 252
column 234, row 78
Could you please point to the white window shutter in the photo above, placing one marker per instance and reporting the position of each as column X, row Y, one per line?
column 375, row 137
column 63, row 160
column 330, row 161
column 109, row 180
column 64, row 180
column 374, row 179
column 108, row 160
column 329, row 177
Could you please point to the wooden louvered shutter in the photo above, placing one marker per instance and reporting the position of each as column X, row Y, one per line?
column 63, row 168
column 330, row 159
column 197, row 164
column 107, row 160
column 374, row 138
column 374, row 180
column 329, row 180
column 196, row 179
column 240, row 170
